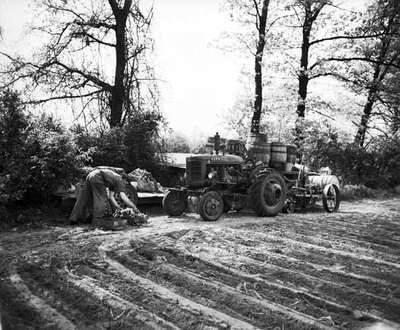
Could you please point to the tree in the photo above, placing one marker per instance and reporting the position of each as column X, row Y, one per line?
column 292, row 25
column 81, row 41
column 309, row 17
column 261, row 14
column 252, row 16
column 383, row 56
column 311, row 10
column 373, row 58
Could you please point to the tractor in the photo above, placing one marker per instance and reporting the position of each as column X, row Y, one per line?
column 219, row 183
column 215, row 184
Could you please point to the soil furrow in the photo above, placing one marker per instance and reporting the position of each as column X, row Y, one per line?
column 258, row 239
column 330, row 306
column 146, row 298
column 214, row 315
column 258, row 298
column 320, row 256
column 270, row 275
column 222, row 297
column 49, row 314
column 334, row 273
column 85, row 311
column 368, row 234
column 336, row 243
column 326, row 235
column 114, row 301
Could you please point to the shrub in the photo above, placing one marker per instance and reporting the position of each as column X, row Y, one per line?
column 377, row 166
column 129, row 147
column 349, row 192
column 53, row 159
column 104, row 148
column 37, row 154
column 141, row 139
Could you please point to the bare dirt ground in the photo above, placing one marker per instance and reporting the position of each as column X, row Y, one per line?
column 299, row 271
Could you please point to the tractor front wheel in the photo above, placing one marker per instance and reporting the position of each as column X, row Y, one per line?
column 174, row 203
column 211, row 206
column 268, row 195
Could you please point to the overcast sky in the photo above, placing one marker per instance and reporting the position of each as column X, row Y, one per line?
column 201, row 81
column 198, row 81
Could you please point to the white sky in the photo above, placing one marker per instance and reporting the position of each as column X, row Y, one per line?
column 201, row 82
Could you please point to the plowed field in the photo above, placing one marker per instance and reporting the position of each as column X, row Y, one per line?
column 299, row 271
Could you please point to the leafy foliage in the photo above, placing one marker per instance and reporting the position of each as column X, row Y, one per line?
column 376, row 167
column 129, row 147
column 38, row 155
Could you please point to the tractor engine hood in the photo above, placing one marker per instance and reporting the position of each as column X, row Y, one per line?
column 217, row 159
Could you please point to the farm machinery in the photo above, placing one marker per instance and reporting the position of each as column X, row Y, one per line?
column 215, row 184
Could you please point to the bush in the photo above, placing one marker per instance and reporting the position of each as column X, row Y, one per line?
column 349, row 192
column 105, row 148
column 129, row 147
column 54, row 162
column 377, row 166
column 37, row 154
column 142, row 140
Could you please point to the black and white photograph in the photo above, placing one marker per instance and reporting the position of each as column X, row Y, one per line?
column 199, row 164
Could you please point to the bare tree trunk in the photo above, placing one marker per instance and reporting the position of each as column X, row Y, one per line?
column 255, row 122
column 362, row 128
column 371, row 99
column 395, row 120
column 118, row 97
column 303, row 74
column 303, row 83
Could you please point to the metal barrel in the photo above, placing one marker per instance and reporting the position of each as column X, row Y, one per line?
column 234, row 146
column 278, row 156
column 322, row 180
column 258, row 148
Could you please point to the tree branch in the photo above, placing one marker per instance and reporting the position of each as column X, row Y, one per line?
column 67, row 10
column 347, row 37
column 95, row 24
column 89, row 77
column 256, row 7
column 336, row 75
column 98, row 40
column 63, row 97
column 354, row 58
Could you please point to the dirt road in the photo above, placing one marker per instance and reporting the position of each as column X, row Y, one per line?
column 298, row 271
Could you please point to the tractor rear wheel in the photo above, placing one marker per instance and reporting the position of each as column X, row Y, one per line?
column 268, row 195
column 331, row 198
column 174, row 203
column 211, row 206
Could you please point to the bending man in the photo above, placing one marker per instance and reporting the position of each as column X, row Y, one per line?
column 94, row 194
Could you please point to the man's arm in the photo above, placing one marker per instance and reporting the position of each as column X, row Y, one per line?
column 113, row 201
column 127, row 201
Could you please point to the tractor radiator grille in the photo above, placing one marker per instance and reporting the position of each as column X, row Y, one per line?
column 194, row 171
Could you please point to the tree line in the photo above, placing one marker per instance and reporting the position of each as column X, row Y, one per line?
column 306, row 40
column 318, row 38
